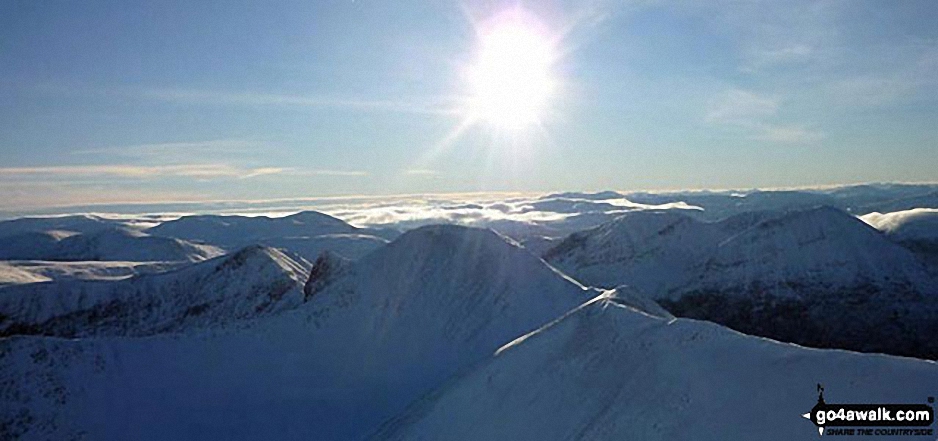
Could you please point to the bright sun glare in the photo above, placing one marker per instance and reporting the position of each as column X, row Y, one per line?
column 511, row 78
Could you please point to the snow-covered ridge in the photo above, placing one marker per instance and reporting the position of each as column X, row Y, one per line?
column 250, row 282
column 303, row 236
column 649, row 250
column 229, row 231
column 105, row 244
column 606, row 371
column 80, row 223
column 652, row 250
column 818, row 276
column 823, row 246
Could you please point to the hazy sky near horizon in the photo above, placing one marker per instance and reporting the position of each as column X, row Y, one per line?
column 126, row 101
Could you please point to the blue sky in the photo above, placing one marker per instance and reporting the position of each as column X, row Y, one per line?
column 124, row 101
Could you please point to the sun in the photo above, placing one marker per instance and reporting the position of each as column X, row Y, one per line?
column 511, row 78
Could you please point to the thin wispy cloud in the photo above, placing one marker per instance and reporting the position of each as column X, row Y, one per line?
column 776, row 35
column 757, row 116
column 164, row 149
column 322, row 172
column 738, row 106
column 421, row 172
column 771, row 57
column 901, row 84
column 787, row 134
column 35, row 195
column 262, row 172
column 432, row 106
column 199, row 171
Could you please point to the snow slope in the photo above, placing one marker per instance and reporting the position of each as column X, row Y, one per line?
column 649, row 250
column 818, row 277
column 350, row 246
column 251, row 282
column 372, row 336
column 111, row 243
column 31, row 245
column 13, row 275
column 87, row 270
column 606, row 371
column 822, row 248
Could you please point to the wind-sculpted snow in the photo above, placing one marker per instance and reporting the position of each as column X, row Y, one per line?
column 915, row 229
column 12, row 275
column 606, row 371
column 818, row 277
column 373, row 336
column 907, row 225
column 248, row 283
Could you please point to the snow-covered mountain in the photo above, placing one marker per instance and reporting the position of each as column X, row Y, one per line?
column 250, row 282
column 823, row 248
column 229, row 231
column 606, row 371
column 328, row 331
column 82, row 223
column 649, row 250
column 819, row 276
column 372, row 336
column 303, row 235
column 109, row 244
